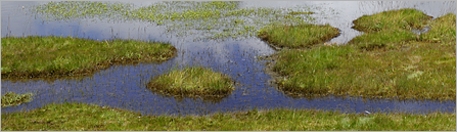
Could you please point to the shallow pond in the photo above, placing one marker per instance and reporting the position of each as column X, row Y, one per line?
column 124, row 86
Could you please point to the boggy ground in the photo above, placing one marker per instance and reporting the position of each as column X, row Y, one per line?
column 193, row 82
column 388, row 61
column 12, row 99
column 51, row 57
column 75, row 117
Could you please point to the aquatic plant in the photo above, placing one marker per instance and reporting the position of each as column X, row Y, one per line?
column 12, row 99
column 205, row 20
column 50, row 57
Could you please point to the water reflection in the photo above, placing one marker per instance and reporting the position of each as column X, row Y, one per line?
column 124, row 86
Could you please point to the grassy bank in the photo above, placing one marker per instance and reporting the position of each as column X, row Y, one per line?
column 193, row 82
column 385, row 62
column 12, row 99
column 74, row 117
column 49, row 57
column 298, row 36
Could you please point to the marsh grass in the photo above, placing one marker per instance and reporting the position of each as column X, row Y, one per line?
column 193, row 82
column 12, row 99
column 49, row 57
column 76, row 117
column 442, row 30
column 404, row 19
column 297, row 36
column 300, row 13
column 216, row 20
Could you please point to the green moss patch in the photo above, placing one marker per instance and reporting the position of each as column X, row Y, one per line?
column 49, row 57
column 193, row 82
column 442, row 30
column 83, row 117
column 12, row 99
column 405, row 19
column 298, row 36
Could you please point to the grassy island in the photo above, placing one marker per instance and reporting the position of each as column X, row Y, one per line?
column 193, row 81
column 50, row 57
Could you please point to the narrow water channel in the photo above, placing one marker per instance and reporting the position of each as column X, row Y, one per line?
column 124, row 86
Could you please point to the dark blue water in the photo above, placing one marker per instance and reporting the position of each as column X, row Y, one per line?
column 124, row 86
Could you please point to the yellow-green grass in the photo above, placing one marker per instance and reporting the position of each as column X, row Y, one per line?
column 442, row 30
column 76, row 117
column 49, row 57
column 297, row 36
column 415, row 70
column 12, row 99
column 405, row 19
column 193, row 82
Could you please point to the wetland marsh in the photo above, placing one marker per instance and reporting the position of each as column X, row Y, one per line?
column 226, row 38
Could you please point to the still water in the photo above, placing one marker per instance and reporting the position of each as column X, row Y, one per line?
column 124, row 86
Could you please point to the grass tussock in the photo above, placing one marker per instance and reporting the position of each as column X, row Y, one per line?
column 405, row 19
column 192, row 81
column 76, row 117
column 298, row 36
column 32, row 57
column 442, row 30
column 12, row 99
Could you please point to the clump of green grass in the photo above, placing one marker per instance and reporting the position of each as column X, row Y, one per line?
column 193, row 81
column 77, row 117
column 12, row 99
column 297, row 36
column 34, row 56
column 442, row 30
column 414, row 70
column 405, row 19
column 376, row 40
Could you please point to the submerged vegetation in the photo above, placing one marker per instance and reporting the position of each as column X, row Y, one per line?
column 83, row 117
column 203, row 20
column 389, row 61
column 49, row 57
column 12, row 99
column 298, row 36
column 193, row 82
